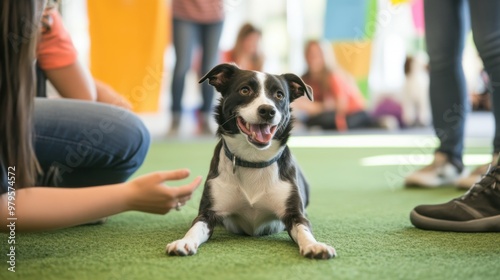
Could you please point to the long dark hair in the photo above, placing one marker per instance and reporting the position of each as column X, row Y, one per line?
column 323, row 77
column 19, row 23
column 246, row 30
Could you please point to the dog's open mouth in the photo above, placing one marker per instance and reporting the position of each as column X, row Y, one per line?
column 260, row 133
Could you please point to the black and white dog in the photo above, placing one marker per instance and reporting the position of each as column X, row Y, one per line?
column 254, row 186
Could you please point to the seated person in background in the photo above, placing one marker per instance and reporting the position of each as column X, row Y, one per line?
column 246, row 52
column 338, row 103
column 57, row 60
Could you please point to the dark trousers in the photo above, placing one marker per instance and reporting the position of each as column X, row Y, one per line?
column 326, row 120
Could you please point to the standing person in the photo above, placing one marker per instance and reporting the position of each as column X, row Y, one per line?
column 246, row 52
column 195, row 22
column 445, row 27
column 70, row 144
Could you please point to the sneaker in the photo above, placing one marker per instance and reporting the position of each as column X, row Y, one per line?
column 474, row 177
column 175, row 125
column 440, row 172
column 478, row 210
column 389, row 123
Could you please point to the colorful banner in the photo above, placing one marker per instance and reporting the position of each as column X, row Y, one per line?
column 345, row 19
column 128, row 40
column 354, row 57
column 417, row 10
column 349, row 20
column 350, row 25
column 397, row 2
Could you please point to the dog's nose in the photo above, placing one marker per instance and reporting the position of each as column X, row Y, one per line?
column 266, row 112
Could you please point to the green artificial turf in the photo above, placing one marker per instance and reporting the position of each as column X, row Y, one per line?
column 361, row 211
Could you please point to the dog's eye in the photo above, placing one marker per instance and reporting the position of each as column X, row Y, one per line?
column 279, row 95
column 245, row 91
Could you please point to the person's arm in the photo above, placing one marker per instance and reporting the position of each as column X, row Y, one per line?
column 57, row 57
column 305, row 105
column 107, row 94
column 73, row 81
column 43, row 208
column 340, row 103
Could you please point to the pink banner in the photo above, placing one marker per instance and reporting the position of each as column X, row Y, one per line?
column 417, row 10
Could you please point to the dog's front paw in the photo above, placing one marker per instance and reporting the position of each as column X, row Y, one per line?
column 181, row 247
column 318, row 250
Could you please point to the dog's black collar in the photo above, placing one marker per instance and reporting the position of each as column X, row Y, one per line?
column 239, row 162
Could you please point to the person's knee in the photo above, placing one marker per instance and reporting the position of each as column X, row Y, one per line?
column 135, row 140
column 488, row 48
column 183, row 61
column 142, row 141
column 444, row 61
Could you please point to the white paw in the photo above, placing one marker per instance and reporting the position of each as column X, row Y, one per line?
column 182, row 247
column 318, row 250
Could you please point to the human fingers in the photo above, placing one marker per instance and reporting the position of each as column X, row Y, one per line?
column 162, row 176
column 181, row 201
column 184, row 199
column 188, row 189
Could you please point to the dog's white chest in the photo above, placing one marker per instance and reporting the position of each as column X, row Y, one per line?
column 251, row 200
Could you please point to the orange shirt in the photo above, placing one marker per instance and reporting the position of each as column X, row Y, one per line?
column 348, row 93
column 226, row 56
column 340, row 90
column 344, row 93
column 55, row 48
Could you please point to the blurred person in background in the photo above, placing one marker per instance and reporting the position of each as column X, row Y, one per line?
column 246, row 52
column 338, row 102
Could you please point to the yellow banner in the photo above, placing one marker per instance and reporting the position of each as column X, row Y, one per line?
column 128, row 40
column 354, row 57
column 397, row 2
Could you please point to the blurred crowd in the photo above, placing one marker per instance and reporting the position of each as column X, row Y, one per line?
column 339, row 103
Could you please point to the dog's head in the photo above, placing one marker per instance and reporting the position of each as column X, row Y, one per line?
column 255, row 104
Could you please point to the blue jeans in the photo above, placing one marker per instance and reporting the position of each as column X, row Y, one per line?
column 81, row 143
column 186, row 35
column 446, row 23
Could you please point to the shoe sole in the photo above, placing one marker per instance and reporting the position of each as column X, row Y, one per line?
column 413, row 183
column 462, row 184
column 490, row 224
column 462, row 187
column 419, row 185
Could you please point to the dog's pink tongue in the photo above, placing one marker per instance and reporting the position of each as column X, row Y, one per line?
column 261, row 132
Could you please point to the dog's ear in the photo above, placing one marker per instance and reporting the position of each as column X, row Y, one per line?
column 297, row 87
column 220, row 75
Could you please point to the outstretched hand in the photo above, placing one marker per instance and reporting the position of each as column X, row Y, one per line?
column 148, row 193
